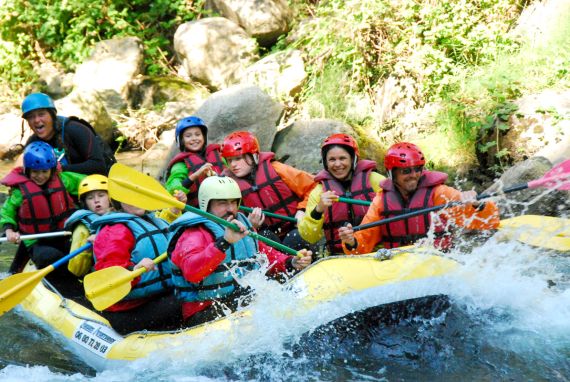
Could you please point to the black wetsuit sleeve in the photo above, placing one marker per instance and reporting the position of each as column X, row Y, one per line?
column 85, row 152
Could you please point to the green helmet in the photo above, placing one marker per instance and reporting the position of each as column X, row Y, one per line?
column 217, row 187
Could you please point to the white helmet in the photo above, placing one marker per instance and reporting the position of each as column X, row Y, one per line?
column 217, row 187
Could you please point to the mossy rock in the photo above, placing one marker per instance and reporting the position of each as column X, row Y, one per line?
column 152, row 92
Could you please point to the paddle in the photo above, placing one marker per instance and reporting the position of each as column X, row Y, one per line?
column 557, row 178
column 39, row 235
column 17, row 287
column 270, row 214
column 110, row 285
column 132, row 187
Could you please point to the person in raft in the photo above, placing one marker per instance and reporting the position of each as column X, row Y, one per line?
column 78, row 148
column 197, row 159
column 346, row 175
column 201, row 253
column 133, row 238
column 268, row 184
column 40, row 201
column 411, row 187
column 94, row 200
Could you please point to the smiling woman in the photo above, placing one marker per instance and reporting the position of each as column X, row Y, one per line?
column 344, row 175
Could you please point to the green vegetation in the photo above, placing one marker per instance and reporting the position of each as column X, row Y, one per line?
column 64, row 31
column 375, row 64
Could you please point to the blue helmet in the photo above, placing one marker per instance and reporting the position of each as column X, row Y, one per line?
column 187, row 122
column 39, row 155
column 36, row 101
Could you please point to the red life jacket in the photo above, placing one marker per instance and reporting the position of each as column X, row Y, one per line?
column 339, row 213
column 407, row 231
column 43, row 209
column 269, row 192
column 193, row 162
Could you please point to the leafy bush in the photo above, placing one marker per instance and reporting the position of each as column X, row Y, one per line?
column 64, row 31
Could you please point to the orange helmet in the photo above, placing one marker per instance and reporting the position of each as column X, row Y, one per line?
column 403, row 154
column 240, row 143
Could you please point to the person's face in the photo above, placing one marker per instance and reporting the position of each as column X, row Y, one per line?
column 98, row 201
column 339, row 163
column 407, row 178
column 132, row 209
column 41, row 123
column 40, row 177
column 241, row 165
column 193, row 139
column 224, row 208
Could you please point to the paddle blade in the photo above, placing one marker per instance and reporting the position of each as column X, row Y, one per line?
column 137, row 189
column 558, row 178
column 108, row 286
column 17, row 287
column 539, row 231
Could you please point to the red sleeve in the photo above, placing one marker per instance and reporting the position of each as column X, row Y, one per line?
column 196, row 255
column 113, row 246
column 277, row 260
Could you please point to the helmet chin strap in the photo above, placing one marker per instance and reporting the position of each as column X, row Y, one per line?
column 389, row 172
column 255, row 158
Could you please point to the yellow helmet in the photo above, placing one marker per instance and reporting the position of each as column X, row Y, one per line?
column 92, row 183
column 217, row 187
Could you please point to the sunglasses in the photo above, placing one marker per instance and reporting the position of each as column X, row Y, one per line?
column 408, row 170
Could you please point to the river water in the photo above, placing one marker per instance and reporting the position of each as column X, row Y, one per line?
column 508, row 319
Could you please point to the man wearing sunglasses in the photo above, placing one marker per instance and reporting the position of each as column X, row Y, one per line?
column 409, row 188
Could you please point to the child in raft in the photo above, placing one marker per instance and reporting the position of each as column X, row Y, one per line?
column 197, row 159
column 40, row 201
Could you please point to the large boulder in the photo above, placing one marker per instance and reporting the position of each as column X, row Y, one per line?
column 214, row 51
column 15, row 133
column 281, row 75
column 540, row 127
column 241, row 108
column 538, row 201
column 90, row 107
column 150, row 92
column 264, row 20
column 299, row 143
column 109, row 70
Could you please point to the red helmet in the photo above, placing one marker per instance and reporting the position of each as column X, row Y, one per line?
column 403, row 154
column 240, row 143
column 341, row 140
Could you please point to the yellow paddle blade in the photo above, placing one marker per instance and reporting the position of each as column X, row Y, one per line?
column 539, row 231
column 108, row 286
column 132, row 187
column 17, row 287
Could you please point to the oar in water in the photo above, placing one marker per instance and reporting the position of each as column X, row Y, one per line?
column 558, row 178
column 110, row 285
column 17, row 287
column 39, row 235
column 270, row 214
column 132, row 187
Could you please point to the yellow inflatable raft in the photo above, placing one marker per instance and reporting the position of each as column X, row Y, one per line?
column 404, row 274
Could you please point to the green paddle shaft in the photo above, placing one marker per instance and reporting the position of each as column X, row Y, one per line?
column 354, row 201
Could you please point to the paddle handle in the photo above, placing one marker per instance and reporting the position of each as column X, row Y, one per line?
column 139, row 271
column 354, row 201
column 271, row 214
column 39, row 235
column 225, row 223
column 68, row 257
